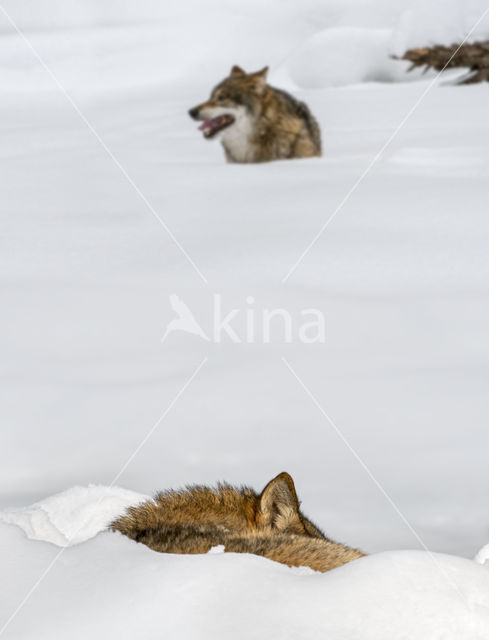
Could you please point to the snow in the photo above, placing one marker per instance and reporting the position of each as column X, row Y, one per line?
column 112, row 586
column 483, row 555
column 356, row 53
column 117, row 44
column 93, row 399
column 72, row 516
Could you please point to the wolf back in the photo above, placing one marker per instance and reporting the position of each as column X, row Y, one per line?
column 269, row 524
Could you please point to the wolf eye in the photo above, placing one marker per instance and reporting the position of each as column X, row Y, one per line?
column 220, row 98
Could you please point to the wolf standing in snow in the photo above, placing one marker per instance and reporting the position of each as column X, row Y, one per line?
column 257, row 123
column 269, row 524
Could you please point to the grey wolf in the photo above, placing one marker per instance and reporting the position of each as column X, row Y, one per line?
column 255, row 122
column 268, row 524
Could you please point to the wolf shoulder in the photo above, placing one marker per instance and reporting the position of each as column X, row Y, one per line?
column 300, row 110
column 284, row 129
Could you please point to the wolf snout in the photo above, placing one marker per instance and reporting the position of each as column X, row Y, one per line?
column 194, row 113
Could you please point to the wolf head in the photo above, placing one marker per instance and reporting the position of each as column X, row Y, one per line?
column 233, row 101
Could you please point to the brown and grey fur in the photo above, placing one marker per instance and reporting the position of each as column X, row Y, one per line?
column 269, row 524
column 265, row 123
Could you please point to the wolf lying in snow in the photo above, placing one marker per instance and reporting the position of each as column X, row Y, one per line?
column 257, row 123
column 268, row 524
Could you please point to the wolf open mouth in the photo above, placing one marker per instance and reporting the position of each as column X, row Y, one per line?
column 214, row 125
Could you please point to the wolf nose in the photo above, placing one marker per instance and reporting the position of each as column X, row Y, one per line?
column 194, row 113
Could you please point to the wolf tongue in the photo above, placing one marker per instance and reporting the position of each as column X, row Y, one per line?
column 205, row 125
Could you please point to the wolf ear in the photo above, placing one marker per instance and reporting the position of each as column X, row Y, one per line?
column 237, row 71
column 260, row 78
column 263, row 74
column 279, row 505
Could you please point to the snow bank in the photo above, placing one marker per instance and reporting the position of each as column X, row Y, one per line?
column 346, row 55
column 482, row 556
column 92, row 45
column 112, row 587
column 72, row 516
column 424, row 23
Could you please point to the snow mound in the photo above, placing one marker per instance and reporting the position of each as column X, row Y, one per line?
column 98, row 46
column 114, row 587
column 408, row 594
column 72, row 516
column 424, row 23
column 483, row 556
column 346, row 55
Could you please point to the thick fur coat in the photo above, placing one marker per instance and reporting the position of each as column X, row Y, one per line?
column 269, row 524
column 257, row 123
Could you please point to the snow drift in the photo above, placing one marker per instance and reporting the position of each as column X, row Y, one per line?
column 115, row 44
column 73, row 516
column 110, row 586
